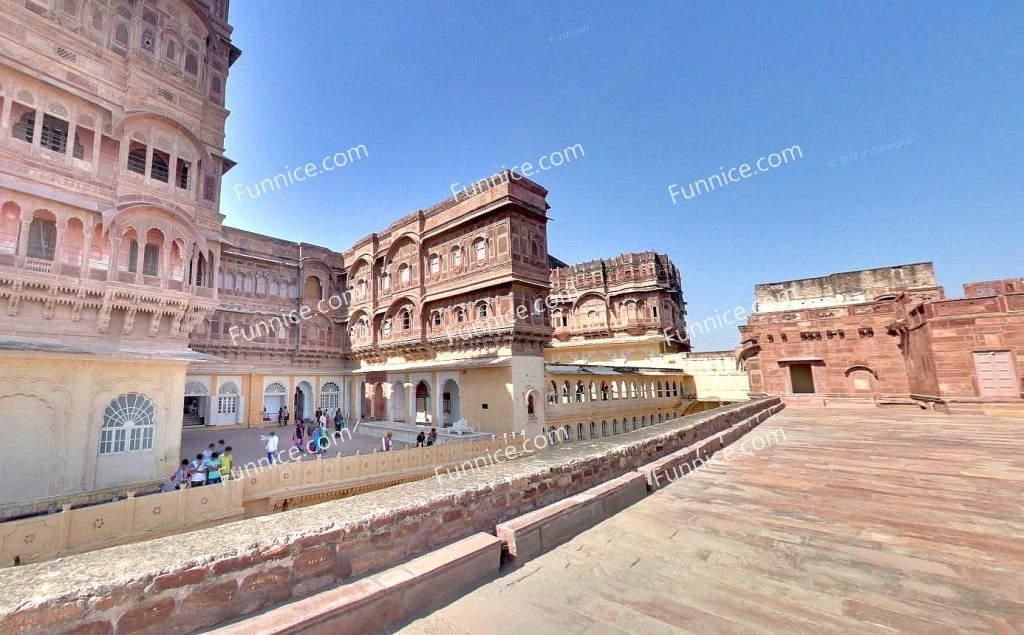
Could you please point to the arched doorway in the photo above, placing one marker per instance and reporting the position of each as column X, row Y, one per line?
column 274, row 398
column 422, row 402
column 364, row 402
column 304, row 400
column 449, row 403
column 379, row 403
column 399, row 403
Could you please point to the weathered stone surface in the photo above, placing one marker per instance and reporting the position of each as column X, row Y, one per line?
column 365, row 531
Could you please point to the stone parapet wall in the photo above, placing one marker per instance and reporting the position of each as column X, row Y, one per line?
column 185, row 583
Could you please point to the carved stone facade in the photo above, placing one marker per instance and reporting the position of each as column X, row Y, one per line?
column 117, row 273
column 111, row 156
column 887, row 336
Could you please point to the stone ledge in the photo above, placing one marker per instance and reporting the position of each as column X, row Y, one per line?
column 307, row 549
column 531, row 534
column 374, row 603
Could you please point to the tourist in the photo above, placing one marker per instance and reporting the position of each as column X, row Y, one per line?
column 208, row 452
column 322, row 419
column 421, row 439
column 338, row 420
column 432, row 437
column 181, row 475
column 271, row 446
column 319, row 413
column 386, row 442
column 297, row 441
column 226, row 460
column 220, row 447
column 286, row 416
column 198, row 473
column 213, row 466
column 320, row 441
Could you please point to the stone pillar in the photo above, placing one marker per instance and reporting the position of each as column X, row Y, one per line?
column 165, row 265
column 194, row 277
column 37, row 133
column 149, row 162
column 5, row 118
column 115, row 254
column 89, row 230
column 23, row 239
column 215, row 271
column 62, row 228
column 139, row 251
column 72, row 130
column 97, row 142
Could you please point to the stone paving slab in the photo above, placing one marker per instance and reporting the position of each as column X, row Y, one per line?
column 857, row 522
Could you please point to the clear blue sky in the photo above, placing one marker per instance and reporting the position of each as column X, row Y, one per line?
column 656, row 93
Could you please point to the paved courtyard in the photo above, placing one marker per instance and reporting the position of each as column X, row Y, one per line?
column 858, row 522
column 247, row 446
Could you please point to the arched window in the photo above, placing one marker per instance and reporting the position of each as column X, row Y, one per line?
column 460, row 315
column 261, row 285
column 604, row 391
column 313, row 288
column 435, row 265
column 604, row 428
column 579, row 392
column 385, row 327
column 632, row 390
column 385, row 282
column 171, row 50
column 406, row 320
column 151, row 260
column 593, row 429
column 565, row 392
column 191, row 64
column 227, row 398
column 361, row 288
column 615, row 390
column 42, row 238
column 330, row 396
column 481, row 310
column 25, row 127
column 121, row 34
column 593, row 391
column 530, row 406
column 131, row 418
column 133, row 255
column 404, row 274
column 457, row 257
column 579, row 431
column 480, row 249
column 435, row 318
column 137, row 158
column 553, row 393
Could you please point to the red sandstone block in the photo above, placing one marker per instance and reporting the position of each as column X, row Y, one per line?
column 179, row 579
column 146, row 618
column 619, row 493
column 209, row 597
column 41, row 619
column 120, row 597
column 313, row 562
column 373, row 604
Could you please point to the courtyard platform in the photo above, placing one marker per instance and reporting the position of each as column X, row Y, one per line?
column 859, row 521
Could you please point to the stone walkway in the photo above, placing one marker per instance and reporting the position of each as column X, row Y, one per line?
column 858, row 522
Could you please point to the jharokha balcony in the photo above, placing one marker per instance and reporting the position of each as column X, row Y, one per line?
column 75, row 266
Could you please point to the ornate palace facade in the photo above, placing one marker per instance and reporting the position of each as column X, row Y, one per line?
column 129, row 309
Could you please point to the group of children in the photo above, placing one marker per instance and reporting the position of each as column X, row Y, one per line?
column 210, row 467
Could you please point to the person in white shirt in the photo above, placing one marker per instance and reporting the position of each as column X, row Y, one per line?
column 271, row 446
column 385, row 442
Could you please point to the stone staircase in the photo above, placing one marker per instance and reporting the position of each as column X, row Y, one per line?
column 191, row 420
